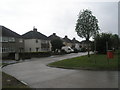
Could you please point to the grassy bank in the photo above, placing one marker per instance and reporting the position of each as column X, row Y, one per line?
column 95, row 62
column 11, row 83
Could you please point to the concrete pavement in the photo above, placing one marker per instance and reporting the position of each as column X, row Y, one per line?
column 36, row 74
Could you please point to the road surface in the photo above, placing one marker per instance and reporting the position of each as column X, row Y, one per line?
column 36, row 74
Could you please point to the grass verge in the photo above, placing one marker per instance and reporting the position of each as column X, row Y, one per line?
column 94, row 62
column 11, row 83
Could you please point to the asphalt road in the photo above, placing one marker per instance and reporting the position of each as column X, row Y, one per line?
column 36, row 74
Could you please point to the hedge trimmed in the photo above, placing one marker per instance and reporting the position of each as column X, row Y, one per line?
column 27, row 55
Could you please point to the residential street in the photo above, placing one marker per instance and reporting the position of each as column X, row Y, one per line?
column 36, row 74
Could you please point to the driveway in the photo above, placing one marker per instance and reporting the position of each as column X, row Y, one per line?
column 36, row 74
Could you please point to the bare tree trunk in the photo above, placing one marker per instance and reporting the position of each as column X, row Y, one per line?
column 88, row 48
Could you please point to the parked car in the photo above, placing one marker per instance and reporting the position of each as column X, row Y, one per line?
column 67, row 49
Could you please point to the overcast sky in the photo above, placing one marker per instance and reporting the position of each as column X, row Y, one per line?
column 56, row 16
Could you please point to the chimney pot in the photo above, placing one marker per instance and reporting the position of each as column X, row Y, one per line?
column 66, row 36
column 54, row 34
column 73, row 38
column 34, row 29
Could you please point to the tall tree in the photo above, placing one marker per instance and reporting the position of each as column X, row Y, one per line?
column 115, row 41
column 56, row 44
column 101, row 40
column 87, row 26
column 111, row 39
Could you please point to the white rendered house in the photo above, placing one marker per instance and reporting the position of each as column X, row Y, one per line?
column 35, row 41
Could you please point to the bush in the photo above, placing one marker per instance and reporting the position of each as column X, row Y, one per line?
column 8, row 56
column 75, row 51
column 63, row 51
column 103, row 39
column 28, row 55
column 83, row 49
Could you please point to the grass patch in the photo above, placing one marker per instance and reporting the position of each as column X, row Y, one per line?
column 11, row 82
column 95, row 62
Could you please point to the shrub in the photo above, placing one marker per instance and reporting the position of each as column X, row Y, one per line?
column 75, row 50
column 28, row 55
column 83, row 49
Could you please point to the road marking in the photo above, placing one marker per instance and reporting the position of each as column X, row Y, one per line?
column 24, row 83
column 1, row 67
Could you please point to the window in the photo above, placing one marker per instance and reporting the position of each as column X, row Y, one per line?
column 44, row 41
column 4, row 49
column 20, row 40
column 11, row 39
column 20, row 49
column 30, row 49
column 45, row 45
column 36, row 40
column 37, row 49
column 5, row 39
column 12, row 49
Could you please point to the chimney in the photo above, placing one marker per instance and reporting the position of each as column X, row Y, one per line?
column 74, row 39
column 65, row 36
column 34, row 29
column 54, row 34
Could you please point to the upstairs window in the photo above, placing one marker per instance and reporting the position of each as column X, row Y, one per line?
column 4, row 39
column 44, row 41
column 20, row 40
column 44, row 45
column 11, row 39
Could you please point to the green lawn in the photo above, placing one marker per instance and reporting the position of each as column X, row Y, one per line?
column 95, row 62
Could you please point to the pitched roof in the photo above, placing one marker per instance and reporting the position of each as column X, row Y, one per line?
column 66, row 39
column 34, row 35
column 75, row 41
column 84, row 41
column 9, row 33
column 53, row 36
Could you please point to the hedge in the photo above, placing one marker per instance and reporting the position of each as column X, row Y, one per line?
column 28, row 55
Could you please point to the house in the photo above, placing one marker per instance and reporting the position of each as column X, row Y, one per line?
column 36, row 41
column 76, row 44
column 67, row 41
column 11, row 42
column 53, row 36
column 84, row 44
